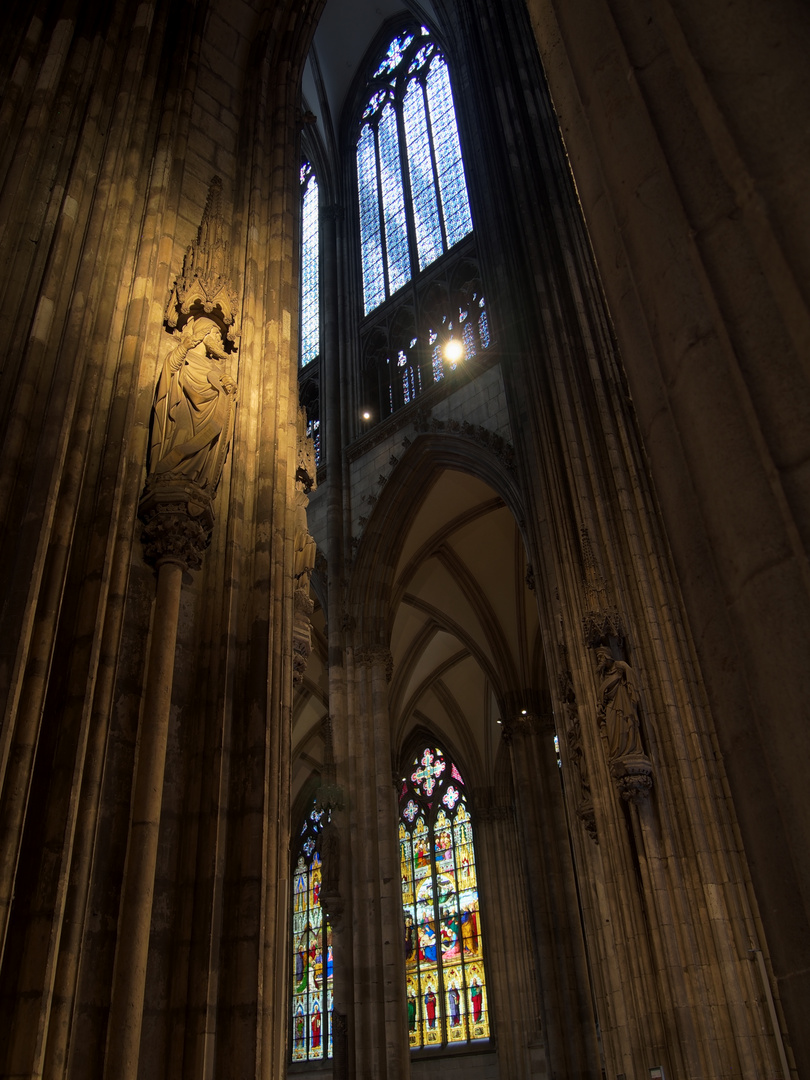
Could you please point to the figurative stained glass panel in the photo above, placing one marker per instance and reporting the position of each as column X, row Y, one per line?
column 449, row 165
column 393, row 199
column 370, row 228
column 312, row 951
column 444, row 965
column 310, row 268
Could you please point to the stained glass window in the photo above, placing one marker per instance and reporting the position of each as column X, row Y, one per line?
column 444, row 965
column 411, row 212
column 312, row 949
column 310, row 267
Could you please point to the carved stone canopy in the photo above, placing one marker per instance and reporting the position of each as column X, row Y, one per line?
column 602, row 620
column 204, row 287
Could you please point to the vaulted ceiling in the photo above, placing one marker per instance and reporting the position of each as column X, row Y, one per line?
column 464, row 630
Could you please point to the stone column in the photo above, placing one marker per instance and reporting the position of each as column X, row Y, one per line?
column 379, row 1032
column 510, row 966
column 567, row 1011
column 179, row 519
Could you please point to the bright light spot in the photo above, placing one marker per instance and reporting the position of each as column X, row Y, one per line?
column 453, row 351
column 522, row 712
column 366, row 415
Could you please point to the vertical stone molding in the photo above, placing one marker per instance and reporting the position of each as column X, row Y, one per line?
column 510, row 967
column 578, row 758
column 549, row 871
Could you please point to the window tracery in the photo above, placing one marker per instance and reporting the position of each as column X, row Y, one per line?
column 408, row 217
column 415, row 228
column 446, row 982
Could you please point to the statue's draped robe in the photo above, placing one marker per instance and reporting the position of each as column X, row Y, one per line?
column 620, row 698
column 191, row 420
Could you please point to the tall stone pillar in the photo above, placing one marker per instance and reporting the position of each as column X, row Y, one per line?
column 510, row 957
column 178, row 523
column 378, row 1030
column 567, row 1012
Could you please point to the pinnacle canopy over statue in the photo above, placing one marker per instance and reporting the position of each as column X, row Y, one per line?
column 204, row 286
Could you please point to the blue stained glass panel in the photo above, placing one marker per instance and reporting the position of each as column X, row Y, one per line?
column 469, row 340
column 396, row 236
column 370, row 231
column 310, row 274
column 452, row 185
column 420, row 167
column 438, row 364
column 483, row 330
column 394, row 54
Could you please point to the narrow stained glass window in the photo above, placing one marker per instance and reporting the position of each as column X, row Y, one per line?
column 444, row 965
column 396, row 237
column 310, row 267
column 312, row 950
column 423, row 186
column 452, row 186
column 483, row 328
column 370, row 231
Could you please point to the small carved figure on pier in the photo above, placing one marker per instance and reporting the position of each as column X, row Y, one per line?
column 618, row 706
column 192, row 418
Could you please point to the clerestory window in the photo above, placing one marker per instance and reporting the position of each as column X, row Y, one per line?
column 410, row 174
column 444, row 961
column 423, row 304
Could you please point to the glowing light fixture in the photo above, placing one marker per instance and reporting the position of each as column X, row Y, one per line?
column 453, row 351
column 366, row 415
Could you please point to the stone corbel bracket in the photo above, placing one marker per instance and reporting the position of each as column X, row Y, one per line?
column 178, row 520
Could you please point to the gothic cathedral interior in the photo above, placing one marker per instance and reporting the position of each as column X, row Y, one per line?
column 405, row 521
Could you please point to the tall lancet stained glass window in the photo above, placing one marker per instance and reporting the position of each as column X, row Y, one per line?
column 312, row 949
column 444, row 961
column 410, row 174
column 310, row 267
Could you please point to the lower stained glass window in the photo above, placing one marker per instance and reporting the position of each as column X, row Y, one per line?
column 444, row 964
column 312, row 950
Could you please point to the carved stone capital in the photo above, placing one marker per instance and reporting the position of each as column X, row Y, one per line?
column 376, row 654
column 178, row 520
